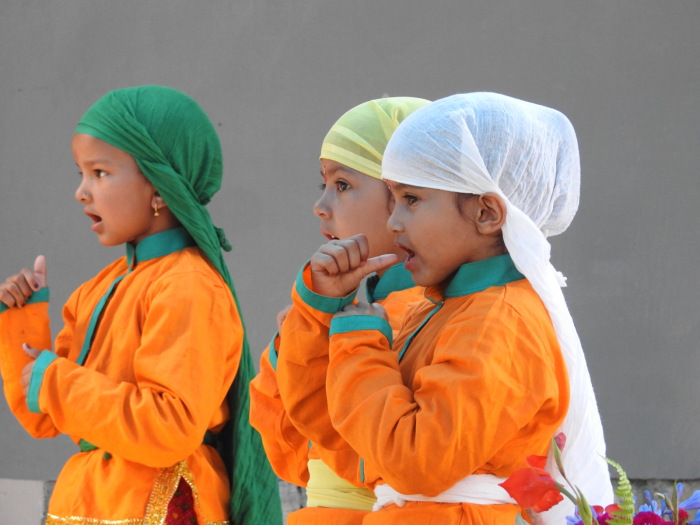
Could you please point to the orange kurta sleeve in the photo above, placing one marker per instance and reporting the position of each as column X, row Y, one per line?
column 482, row 385
column 170, row 388
column 303, row 362
column 286, row 448
column 28, row 324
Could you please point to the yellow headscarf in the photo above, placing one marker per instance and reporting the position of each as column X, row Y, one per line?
column 358, row 139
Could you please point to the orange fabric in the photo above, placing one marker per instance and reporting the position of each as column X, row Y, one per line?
column 301, row 376
column 24, row 325
column 482, row 386
column 324, row 516
column 286, row 444
column 163, row 356
column 443, row 514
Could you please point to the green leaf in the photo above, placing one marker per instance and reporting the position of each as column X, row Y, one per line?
column 584, row 509
column 676, row 513
column 623, row 491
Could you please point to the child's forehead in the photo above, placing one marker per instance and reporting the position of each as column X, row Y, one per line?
column 400, row 186
column 331, row 168
column 94, row 150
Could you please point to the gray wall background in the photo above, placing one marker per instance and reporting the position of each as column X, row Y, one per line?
column 274, row 75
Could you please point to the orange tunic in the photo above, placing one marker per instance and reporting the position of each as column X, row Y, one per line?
column 476, row 383
column 162, row 358
column 287, row 446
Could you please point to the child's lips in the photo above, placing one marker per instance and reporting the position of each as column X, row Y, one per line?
column 411, row 254
column 96, row 219
column 328, row 236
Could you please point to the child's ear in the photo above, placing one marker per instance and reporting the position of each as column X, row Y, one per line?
column 491, row 213
column 157, row 201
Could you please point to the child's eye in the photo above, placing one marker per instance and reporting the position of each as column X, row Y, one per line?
column 410, row 199
column 342, row 185
column 100, row 173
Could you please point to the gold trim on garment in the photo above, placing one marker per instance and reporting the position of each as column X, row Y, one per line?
column 163, row 490
column 77, row 520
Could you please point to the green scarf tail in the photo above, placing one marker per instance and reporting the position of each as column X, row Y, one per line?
column 178, row 150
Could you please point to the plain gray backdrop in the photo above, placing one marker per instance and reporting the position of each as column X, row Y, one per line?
column 274, row 75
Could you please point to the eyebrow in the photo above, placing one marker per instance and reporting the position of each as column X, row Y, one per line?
column 341, row 167
column 401, row 185
column 97, row 160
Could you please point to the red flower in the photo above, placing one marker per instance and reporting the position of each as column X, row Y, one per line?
column 533, row 487
column 648, row 518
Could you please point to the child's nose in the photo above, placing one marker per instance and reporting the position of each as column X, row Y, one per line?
column 393, row 224
column 321, row 208
column 81, row 193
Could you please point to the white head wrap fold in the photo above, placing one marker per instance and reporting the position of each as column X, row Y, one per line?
column 527, row 154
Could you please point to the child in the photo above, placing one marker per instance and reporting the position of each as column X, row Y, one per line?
column 140, row 372
column 479, row 377
column 354, row 200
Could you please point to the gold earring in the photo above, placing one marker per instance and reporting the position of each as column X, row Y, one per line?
column 155, row 210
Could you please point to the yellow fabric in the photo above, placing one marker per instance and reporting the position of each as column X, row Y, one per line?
column 359, row 137
column 482, row 386
column 163, row 357
column 326, row 489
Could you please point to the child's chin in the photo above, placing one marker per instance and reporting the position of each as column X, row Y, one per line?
column 419, row 280
column 106, row 241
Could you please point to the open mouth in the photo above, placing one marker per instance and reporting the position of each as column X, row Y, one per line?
column 96, row 219
column 410, row 253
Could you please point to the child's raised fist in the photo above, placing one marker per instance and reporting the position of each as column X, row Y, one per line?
column 17, row 289
column 338, row 266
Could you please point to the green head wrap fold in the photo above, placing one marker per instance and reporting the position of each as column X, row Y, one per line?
column 177, row 149
column 359, row 137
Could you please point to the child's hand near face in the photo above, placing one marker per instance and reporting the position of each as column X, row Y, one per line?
column 17, row 289
column 338, row 266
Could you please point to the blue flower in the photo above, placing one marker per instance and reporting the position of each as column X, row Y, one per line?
column 692, row 503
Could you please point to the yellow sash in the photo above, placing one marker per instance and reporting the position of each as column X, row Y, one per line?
column 326, row 489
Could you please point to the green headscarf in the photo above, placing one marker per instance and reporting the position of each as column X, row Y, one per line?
column 178, row 150
column 359, row 137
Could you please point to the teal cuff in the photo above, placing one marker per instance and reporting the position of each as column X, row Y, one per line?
column 354, row 323
column 328, row 305
column 40, row 296
column 40, row 365
column 272, row 353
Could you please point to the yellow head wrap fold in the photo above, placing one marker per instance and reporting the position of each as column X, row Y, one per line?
column 358, row 139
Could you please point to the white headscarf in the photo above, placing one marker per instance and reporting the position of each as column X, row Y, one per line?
column 527, row 154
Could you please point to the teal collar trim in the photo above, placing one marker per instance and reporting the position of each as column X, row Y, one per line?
column 395, row 278
column 480, row 275
column 157, row 245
